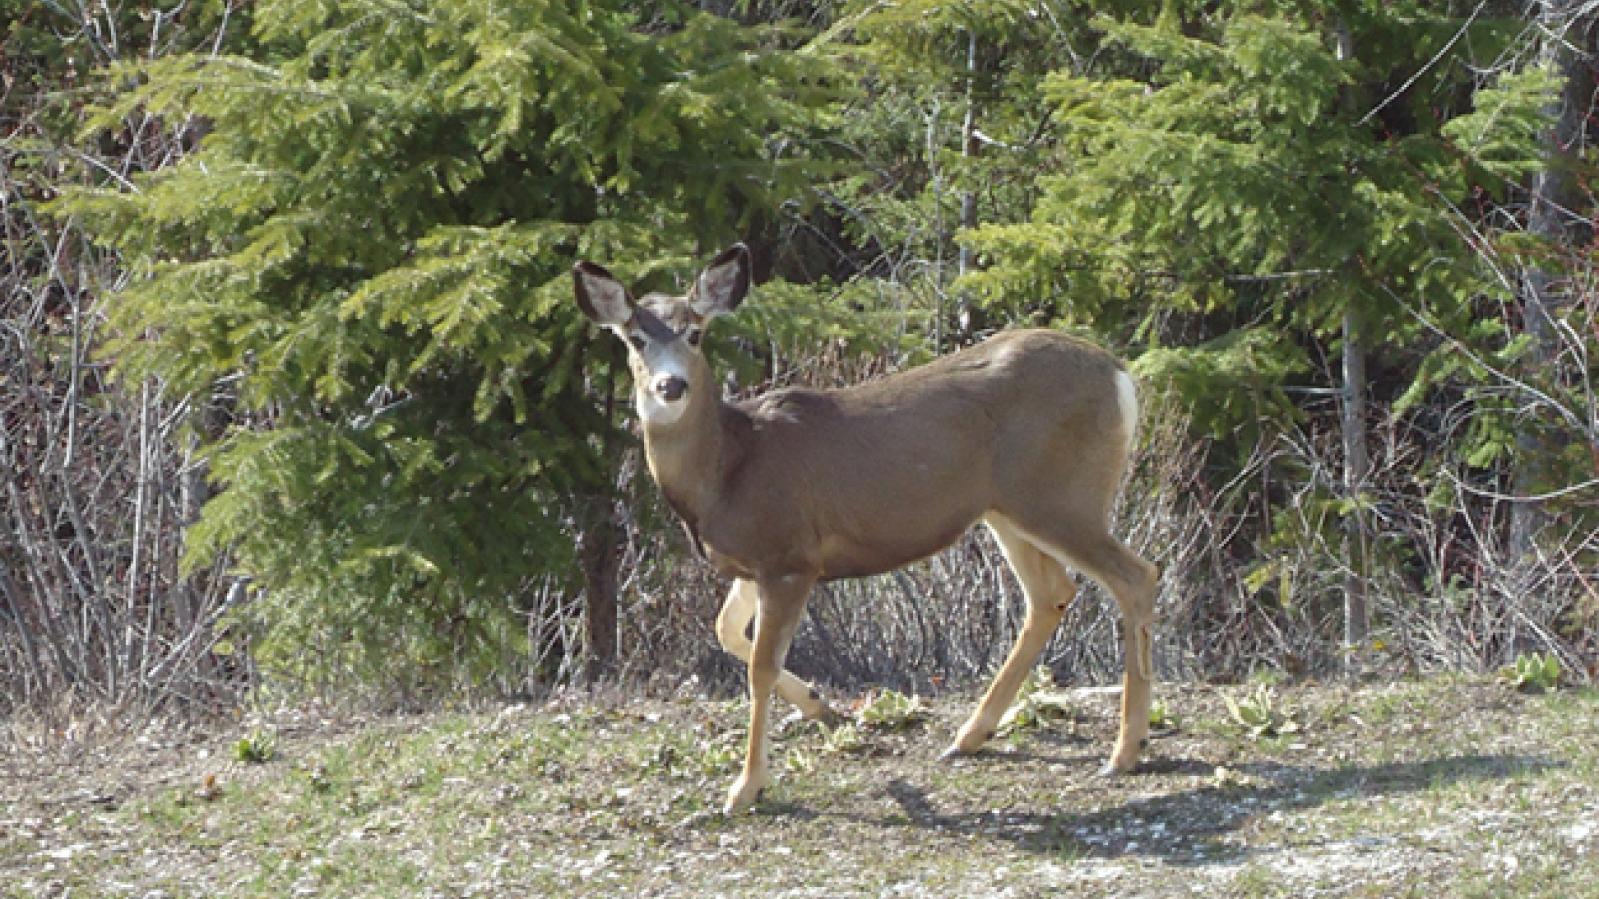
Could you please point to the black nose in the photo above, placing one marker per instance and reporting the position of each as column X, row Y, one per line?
column 671, row 388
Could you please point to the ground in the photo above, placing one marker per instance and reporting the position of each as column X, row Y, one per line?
column 1444, row 787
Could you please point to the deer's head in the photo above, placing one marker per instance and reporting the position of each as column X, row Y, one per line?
column 663, row 332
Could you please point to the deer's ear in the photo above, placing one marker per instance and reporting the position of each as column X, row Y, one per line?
column 723, row 284
column 601, row 297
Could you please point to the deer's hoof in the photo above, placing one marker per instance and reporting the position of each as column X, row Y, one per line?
column 1114, row 768
column 742, row 797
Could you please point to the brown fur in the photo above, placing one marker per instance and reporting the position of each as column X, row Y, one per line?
column 799, row 482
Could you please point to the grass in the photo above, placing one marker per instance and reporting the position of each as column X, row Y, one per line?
column 1442, row 787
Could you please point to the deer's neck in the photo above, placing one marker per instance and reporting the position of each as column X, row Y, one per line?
column 686, row 458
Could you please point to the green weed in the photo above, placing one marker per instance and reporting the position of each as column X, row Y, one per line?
column 1260, row 714
column 1536, row 672
column 890, row 710
column 256, row 747
column 1161, row 717
column 1038, row 702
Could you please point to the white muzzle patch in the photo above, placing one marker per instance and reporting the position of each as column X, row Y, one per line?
column 663, row 397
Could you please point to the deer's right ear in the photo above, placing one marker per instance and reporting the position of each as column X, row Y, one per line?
column 601, row 297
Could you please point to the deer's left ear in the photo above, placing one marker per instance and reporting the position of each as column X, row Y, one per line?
column 723, row 284
column 601, row 297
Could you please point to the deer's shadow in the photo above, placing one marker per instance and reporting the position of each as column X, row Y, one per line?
column 1190, row 826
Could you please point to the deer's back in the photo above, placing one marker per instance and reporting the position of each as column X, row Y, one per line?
column 873, row 476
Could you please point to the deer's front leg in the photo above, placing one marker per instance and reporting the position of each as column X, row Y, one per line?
column 781, row 600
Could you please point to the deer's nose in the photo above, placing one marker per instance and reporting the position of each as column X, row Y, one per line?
column 671, row 387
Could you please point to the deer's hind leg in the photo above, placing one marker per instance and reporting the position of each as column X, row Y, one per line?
column 1134, row 582
column 1086, row 545
column 732, row 626
column 1049, row 590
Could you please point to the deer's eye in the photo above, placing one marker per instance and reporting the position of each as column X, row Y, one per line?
column 692, row 335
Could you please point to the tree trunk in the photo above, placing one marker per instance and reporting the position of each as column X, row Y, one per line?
column 598, row 544
column 597, row 550
column 1550, row 218
column 969, row 148
column 1357, row 464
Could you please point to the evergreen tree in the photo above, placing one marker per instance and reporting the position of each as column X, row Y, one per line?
column 947, row 127
column 1560, row 219
column 366, row 262
column 1279, row 180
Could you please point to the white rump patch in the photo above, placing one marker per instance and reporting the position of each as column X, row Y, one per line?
column 1127, row 401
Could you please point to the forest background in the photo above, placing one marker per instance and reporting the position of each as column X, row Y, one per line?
column 294, row 399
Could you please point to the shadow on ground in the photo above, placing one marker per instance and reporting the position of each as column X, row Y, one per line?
column 1191, row 826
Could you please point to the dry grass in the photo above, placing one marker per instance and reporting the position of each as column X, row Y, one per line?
column 1458, row 787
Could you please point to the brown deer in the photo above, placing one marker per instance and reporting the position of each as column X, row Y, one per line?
column 1028, row 432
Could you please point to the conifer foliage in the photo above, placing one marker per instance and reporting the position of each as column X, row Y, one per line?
column 1228, row 167
column 1347, row 245
column 363, row 269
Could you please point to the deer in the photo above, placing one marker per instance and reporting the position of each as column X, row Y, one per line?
column 1029, row 432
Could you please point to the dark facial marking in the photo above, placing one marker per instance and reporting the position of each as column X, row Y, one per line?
column 662, row 319
column 675, row 311
column 653, row 328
